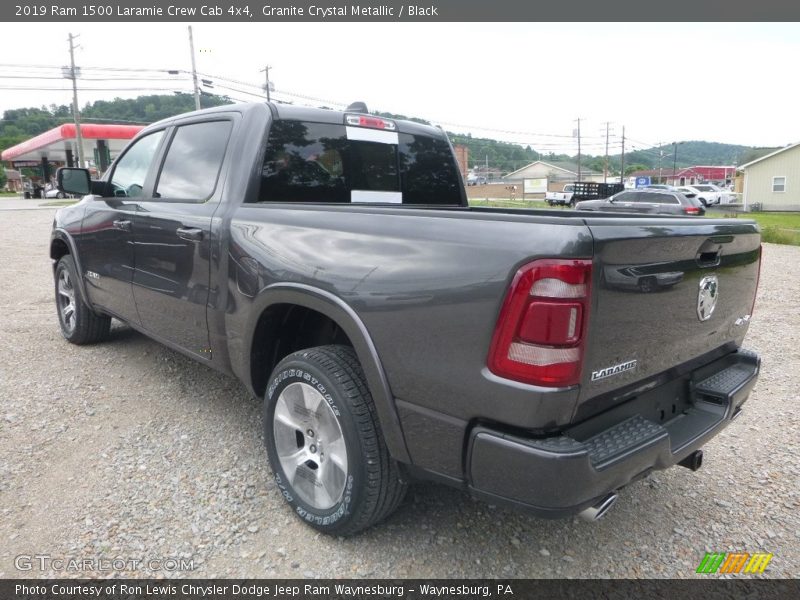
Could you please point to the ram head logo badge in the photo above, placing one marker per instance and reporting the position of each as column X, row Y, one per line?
column 707, row 297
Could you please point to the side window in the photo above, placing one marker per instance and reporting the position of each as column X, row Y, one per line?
column 131, row 169
column 193, row 161
column 665, row 199
column 627, row 197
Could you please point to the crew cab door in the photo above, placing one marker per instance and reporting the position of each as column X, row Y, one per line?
column 105, row 243
column 172, row 235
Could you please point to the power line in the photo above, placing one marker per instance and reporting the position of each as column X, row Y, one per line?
column 111, row 79
column 92, row 89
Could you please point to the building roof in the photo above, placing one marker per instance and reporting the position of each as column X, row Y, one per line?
column 53, row 140
column 561, row 165
column 653, row 173
column 704, row 171
column 770, row 155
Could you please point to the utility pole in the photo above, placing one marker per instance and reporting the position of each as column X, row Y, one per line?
column 194, row 72
column 622, row 165
column 605, row 167
column 76, row 113
column 660, row 156
column 265, row 70
column 674, row 161
column 579, row 149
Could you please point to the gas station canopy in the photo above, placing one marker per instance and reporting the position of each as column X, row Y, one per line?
column 60, row 143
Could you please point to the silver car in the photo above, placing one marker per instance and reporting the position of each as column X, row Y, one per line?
column 652, row 201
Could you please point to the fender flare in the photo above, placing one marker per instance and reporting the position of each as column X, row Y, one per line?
column 62, row 235
column 346, row 318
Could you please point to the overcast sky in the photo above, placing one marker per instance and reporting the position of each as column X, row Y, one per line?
column 718, row 82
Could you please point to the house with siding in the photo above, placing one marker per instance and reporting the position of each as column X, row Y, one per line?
column 557, row 173
column 773, row 181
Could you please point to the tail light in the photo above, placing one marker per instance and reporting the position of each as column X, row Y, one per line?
column 691, row 210
column 541, row 331
column 371, row 122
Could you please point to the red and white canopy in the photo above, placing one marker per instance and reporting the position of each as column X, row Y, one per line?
column 53, row 144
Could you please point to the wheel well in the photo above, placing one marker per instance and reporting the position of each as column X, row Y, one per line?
column 58, row 248
column 286, row 328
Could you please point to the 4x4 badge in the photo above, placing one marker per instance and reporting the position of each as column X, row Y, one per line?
column 707, row 297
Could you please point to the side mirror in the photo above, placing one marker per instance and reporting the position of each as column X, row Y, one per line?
column 74, row 181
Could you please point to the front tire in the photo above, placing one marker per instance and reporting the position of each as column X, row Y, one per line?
column 79, row 324
column 325, row 444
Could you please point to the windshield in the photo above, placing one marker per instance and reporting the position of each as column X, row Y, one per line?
column 704, row 188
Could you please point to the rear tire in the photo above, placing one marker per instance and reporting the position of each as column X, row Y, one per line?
column 325, row 444
column 79, row 324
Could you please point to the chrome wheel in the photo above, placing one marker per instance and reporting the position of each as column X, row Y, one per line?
column 310, row 445
column 66, row 300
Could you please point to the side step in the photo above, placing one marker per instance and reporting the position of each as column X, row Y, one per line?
column 722, row 386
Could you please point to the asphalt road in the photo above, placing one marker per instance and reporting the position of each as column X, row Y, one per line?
column 128, row 450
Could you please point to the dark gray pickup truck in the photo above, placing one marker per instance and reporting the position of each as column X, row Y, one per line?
column 330, row 261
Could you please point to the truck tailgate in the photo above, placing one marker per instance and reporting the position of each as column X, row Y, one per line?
column 666, row 291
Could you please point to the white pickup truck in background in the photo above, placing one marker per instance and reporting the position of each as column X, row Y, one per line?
column 582, row 190
column 563, row 198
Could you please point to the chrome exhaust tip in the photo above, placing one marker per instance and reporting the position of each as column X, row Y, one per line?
column 598, row 511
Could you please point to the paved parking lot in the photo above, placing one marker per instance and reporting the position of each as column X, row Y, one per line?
column 127, row 449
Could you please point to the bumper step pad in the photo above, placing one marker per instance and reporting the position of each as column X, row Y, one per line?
column 614, row 444
column 725, row 383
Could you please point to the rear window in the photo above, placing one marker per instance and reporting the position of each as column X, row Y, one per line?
column 322, row 162
column 704, row 188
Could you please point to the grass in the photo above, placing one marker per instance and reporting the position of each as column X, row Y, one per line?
column 509, row 203
column 776, row 228
column 60, row 203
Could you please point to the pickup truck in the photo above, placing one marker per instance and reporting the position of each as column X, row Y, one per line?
column 582, row 190
column 330, row 261
column 562, row 198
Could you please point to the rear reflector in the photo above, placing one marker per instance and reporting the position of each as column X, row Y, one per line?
column 691, row 210
column 540, row 333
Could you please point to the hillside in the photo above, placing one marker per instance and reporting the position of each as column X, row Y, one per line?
column 694, row 153
column 20, row 124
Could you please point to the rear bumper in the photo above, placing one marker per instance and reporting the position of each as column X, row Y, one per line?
column 561, row 475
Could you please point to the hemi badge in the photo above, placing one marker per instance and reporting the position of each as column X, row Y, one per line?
column 615, row 370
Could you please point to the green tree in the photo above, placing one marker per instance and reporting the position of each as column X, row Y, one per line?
column 633, row 168
column 3, row 178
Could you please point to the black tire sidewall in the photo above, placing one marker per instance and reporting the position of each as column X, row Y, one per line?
column 67, row 264
column 297, row 370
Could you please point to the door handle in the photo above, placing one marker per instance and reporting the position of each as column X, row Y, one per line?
column 192, row 234
column 122, row 224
